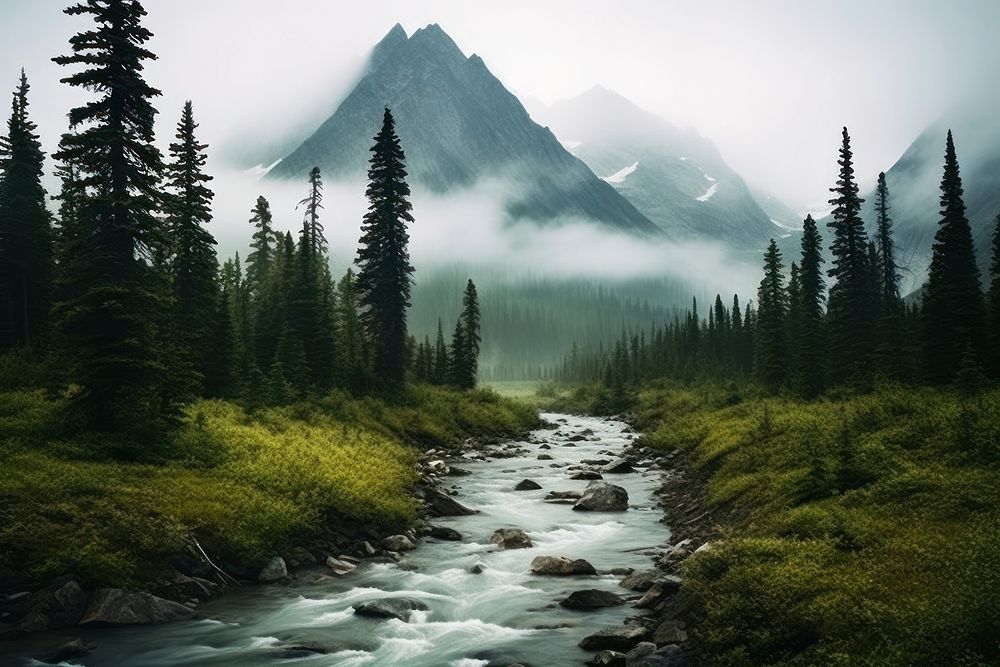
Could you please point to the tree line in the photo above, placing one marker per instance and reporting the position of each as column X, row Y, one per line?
column 123, row 287
column 811, row 329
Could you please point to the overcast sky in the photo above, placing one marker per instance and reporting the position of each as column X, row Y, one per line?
column 770, row 81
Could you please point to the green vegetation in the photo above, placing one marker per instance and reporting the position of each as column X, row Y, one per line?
column 246, row 484
column 856, row 529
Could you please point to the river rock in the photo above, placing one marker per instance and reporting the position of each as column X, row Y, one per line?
column 58, row 605
column 595, row 462
column 544, row 457
column 602, row 497
column 669, row 632
column 275, row 570
column 560, row 566
column 340, row 567
column 652, row 596
column 71, row 650
column 618, row 467
column 114, row 606
column 577, row 438
column 398, row 543
column 591, row 598
column 458, row 472
column 644, row 580
column 545, row 446
column 299, row 557
column 608, row 658
column 616, row 638
column 511, row 538
column 445, row 533
column 587, row 474
column 400, row 608
column 441, row 504
column 562, row 497
column 638, row 652
column 527, row 485
column 478, row 568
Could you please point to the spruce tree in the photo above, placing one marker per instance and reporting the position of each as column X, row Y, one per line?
column 811, row 348
column 770, row 346
column 468, row 368
column 953, row 309
column 313, row 202
column 994, row 302
column 262, row 245
column 384, row 269
column 26, row 239
column 108, row 319
column 888, row 271
column 851, row 311
column 351, row 350
column 193, row 264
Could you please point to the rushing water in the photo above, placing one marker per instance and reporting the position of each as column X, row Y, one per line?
column 503, row 615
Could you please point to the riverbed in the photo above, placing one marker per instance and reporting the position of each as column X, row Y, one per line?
column 500, row 616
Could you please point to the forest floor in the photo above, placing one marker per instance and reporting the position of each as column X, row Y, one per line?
column 858, row 528
column 246, row 484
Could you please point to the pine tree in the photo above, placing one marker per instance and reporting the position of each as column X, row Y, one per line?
column 953, row 309
column 467, row 368
column 26, row 239
column 384, row 269
column 262, row 243
column 193, row 264
column 770, row 348
column 888, row 271
column 811, row 345
column 851, row 311
column 313, row 202
column 108, row 321
column 222, row 359
column 351, row 351
column 994, row 302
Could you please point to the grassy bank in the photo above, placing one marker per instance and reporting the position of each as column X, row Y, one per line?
column 247, row 483
column 857, row 529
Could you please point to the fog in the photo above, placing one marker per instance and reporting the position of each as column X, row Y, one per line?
column 769, row 82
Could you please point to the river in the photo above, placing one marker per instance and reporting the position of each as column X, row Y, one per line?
column 501, row 616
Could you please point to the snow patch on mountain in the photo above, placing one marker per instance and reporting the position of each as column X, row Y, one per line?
column 712, row 188
column 260, row 169
column 620, row 175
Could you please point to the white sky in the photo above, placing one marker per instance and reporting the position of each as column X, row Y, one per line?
column 770, row 81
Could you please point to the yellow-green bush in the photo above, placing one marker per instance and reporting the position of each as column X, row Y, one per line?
column 244, row 483
column 865, row 529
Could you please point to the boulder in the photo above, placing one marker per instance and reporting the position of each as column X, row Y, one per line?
column 618, row 467
column 576, row 438
column 602, row 497
column 71, row 650
column 527, row 485
column 638, row 652
column 441, row 504
column 545, row 446
column 669, row 632
column 608, row 659
column 445, row 533
column 478, row 568
column 544, row 457
column 458, row 472
column 591, row 598
column 562, row 497
column 58, row 605
column 299, row 557
column 587, row 474
column 400, row 608
column 398, row 543
column 560, row 566
column 511, row 538
column 652, row 596
column 340, row 567
column 616, row 638
column 644, row 580
column 595, row 462
column 114, row 606
column 275, row 570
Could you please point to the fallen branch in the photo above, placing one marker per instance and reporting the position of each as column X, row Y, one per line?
column 225, row 579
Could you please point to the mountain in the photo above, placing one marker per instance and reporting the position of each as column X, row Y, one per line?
column 458, row 126
column 677, row 178
column 913, row 187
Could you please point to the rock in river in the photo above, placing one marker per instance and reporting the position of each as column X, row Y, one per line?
column 444, row 533
column 527, row 485
column 602, row 497
column 616, row 638
column 275, row 570
column 587, row 474
column 591, row 598
column 562, row 497
column 398, row 543
column 561, row 566
column 441, row 504
column 511, row 538
column 618, row 466
column 71, row 650
column 400, row 608
column 114, row 606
